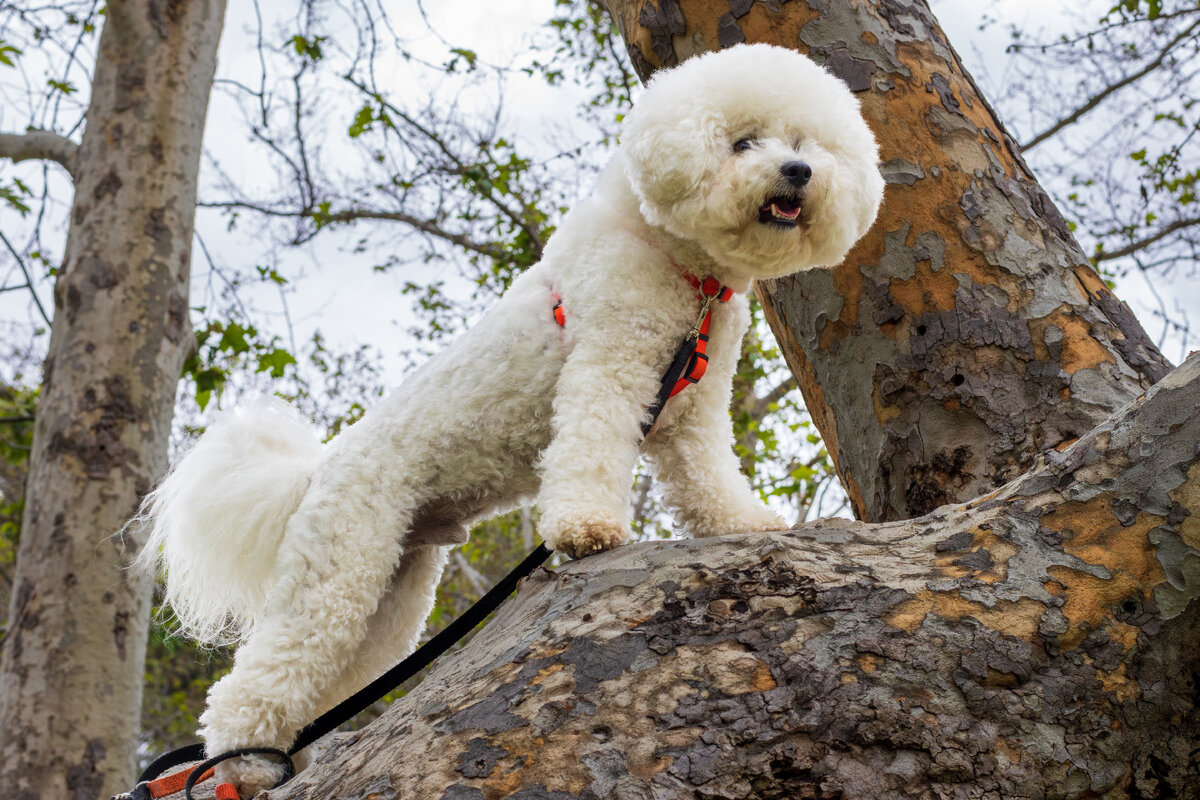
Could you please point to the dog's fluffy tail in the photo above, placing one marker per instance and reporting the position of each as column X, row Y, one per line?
column 216, row 520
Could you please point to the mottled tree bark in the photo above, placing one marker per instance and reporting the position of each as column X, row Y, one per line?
column 966, row 333
column 1042, row 641
column 70, row 681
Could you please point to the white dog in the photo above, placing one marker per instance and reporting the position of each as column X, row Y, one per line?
column 323, row 559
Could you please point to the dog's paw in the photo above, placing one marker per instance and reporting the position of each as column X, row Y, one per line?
column 584, row 536
column 759, row 518
column 772, row 522
column 250, row 774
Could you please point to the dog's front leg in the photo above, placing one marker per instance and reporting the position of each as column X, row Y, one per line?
column 600, row 400
column 700, row 475
column 692, row 452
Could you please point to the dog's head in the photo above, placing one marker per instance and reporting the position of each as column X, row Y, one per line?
column 759, row 156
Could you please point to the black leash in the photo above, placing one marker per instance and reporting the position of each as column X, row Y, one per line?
column 361, row 700
column 424, row 655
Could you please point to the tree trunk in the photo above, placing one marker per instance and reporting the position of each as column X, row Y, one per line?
column 70, row 685
column 964, row 335
column 1040, row 642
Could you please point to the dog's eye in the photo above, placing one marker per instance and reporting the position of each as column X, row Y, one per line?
column 744, row 144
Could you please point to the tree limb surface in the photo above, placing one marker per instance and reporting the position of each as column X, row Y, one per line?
column 39, row 144
column 1041, row 641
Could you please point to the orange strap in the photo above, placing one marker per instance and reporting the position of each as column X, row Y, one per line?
column 707, row 288
column 226, row 791
column 699, row 362
column 170, row 784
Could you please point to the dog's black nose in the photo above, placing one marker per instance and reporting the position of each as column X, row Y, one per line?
column 797, row 173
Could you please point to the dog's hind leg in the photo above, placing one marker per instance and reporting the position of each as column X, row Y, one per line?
column 336, row 562
column 393, row 630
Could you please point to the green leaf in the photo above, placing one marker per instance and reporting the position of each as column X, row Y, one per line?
column 6, row 53
column 61, row 86
column 13, row 198
column 362, row 121
column 469, row 56
column 276, row 361
column 309, row 48
column 234, row 338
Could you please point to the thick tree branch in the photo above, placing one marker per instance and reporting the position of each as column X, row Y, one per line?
column 1092, row 102
column 1040, row 640
column 39, row 144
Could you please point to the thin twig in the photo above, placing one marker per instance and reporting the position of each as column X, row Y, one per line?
column 1094, row 101
column 28, row 279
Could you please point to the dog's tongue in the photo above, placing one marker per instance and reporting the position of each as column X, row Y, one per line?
column 782, row 209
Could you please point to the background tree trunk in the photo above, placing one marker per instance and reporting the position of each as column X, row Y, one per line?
column 966, row 333
column 70, row 684
column 1040, row 642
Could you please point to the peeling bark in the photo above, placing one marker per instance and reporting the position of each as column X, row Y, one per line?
column 966, row 333
column 70, row 681
column 1038, row 642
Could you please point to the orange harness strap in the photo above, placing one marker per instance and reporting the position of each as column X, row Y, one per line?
column 176, row 782
column 170, row 784
column 707, row 291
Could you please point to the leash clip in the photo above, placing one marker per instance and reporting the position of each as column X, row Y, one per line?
column 705, row 304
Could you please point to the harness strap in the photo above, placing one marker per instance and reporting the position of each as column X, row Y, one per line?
column 691, row 359
column 170, row 784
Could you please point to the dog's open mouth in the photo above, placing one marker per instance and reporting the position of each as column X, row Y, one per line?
column 782, row 211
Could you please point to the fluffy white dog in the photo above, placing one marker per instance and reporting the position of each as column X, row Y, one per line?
column 323, row 559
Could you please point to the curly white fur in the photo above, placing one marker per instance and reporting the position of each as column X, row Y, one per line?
column 325, row 557
column 258, row 460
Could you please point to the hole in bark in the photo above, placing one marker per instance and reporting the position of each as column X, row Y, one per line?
column 602, row 733
column 921, row 329
column 957, row 380
column 1129, row 607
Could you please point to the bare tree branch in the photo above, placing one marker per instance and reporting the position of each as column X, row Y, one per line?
column 1133, row 247
column 28, row 278
column 489, row 249
column 39, row 144
column 478, row 583
column 762, row 405
column 1094, row 101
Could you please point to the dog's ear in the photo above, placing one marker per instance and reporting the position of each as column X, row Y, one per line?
column 670, row 151
column 862, row 183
